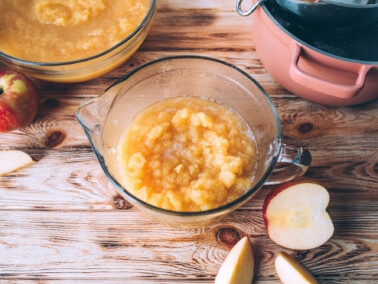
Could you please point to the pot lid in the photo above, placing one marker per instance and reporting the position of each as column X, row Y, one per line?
column 358, row 44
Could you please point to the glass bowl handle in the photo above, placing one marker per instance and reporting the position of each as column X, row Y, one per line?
column 292, row 162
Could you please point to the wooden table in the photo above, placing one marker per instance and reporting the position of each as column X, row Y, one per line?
column 61, row 221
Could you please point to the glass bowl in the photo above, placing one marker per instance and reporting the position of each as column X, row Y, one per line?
column 105, row 118
column 86, row 68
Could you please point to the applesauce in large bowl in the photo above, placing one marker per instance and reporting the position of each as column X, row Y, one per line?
column 71, row 40
column 187, row 154
column 66, row 30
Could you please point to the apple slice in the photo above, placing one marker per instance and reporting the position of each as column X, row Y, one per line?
column 13, row 160
column 238, row 266
column 290, row 271
column 295, row 215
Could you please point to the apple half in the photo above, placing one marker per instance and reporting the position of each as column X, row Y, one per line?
column 295, row 215
column 290, row 271
column 239, row 265
column 13, row 160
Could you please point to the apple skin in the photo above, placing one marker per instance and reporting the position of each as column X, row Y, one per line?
column 18, row 100
column 278, row 190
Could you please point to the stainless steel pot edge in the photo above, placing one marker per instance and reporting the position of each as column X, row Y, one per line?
column 251, row 10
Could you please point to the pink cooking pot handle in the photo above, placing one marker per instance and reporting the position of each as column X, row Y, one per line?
column 321, row 85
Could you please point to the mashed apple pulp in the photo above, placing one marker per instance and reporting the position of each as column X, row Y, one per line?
column 187, row 154
column 64, row 30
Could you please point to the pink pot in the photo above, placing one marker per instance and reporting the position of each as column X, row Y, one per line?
column 308, row 73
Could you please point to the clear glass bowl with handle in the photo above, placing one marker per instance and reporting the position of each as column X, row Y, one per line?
column 86, row 68
column 105, row 118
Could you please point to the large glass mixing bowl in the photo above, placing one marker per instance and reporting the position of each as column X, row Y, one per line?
column 86, row 68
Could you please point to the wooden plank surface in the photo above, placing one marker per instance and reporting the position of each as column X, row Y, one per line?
column 61, row 221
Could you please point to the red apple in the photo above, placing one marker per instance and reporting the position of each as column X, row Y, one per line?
column 295, row 215
column 18, row 100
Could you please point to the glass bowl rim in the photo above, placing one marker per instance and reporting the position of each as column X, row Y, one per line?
column 98, row 55
column 124, row 192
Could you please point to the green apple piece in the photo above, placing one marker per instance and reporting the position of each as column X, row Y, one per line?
column 290, row 271
column 13, row 160
column 239, row 265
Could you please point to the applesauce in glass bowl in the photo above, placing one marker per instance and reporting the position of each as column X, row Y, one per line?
column 108, row 120
column 69, row 40
column 187, row 154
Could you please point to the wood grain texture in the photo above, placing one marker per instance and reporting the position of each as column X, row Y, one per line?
column 61, row 221
column 99, row 244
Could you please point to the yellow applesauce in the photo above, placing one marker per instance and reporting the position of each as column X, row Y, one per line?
column 65, row 30
column 187, row 154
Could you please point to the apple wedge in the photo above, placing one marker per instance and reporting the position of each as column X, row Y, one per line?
column 13, row 160
column 238, row 266
column 290, row 271
column 295, row 215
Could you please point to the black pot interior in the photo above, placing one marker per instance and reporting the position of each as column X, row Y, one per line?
column 331, row 14
column 357, row 44
column 353, row 3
